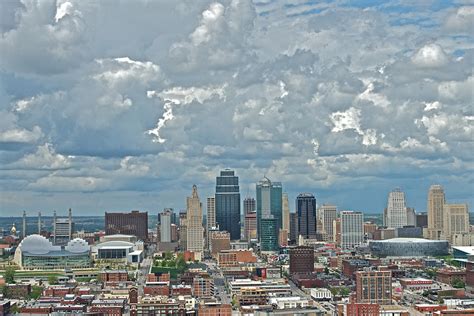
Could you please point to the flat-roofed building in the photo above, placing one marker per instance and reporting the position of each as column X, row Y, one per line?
column 133, row 223
column 374, row 287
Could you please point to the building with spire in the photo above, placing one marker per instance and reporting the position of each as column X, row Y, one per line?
column 194, row 228
column 23, row 230
column 227, row 203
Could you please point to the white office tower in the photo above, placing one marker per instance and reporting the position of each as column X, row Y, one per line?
column 327, row 214
column 352, row 229
column 195, row 237
column 396, row 210
column 165, row 225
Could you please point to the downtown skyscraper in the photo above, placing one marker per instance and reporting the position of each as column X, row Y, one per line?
column 306, row 210
column 397, row 212
column 435, row 207
column 352, row 229
column 194, row 229
column 227, row 203
column 269, row 213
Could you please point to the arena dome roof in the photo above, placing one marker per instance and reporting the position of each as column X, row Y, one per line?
column 77, row 245
column 37, row 244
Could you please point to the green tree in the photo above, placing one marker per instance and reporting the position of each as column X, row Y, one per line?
column 10, row 275
column 180, row 263
column 344, row 291
column 458, row 283
column 168, row 255
column 326, row 270
column 36, row 292
column 52, row 279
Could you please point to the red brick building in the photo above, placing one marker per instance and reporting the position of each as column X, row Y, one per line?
column 374, row 287
column 229, row 258
column 157, row 288
column 301, row 260
column 214, row 309
column 448, row 276
column 113, row 276
column 361, row 309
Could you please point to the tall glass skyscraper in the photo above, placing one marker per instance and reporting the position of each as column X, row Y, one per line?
column 228, row 203
column 306, row 210
column 269, row 213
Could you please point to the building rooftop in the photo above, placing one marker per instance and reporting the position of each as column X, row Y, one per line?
column 407, row 240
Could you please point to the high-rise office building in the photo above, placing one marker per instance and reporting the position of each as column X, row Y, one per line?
column 396, row 215
column 302, row 260
column 195, row 233
column 374, row 287
column 183, row 231
column 228, row 203
column 456, row 220
column 285, row 220
column 336, row 226
column 411, row 216
column 251, row 226
column 211, row 212
column 327, row 214
column 436, row 201
column 269, row 213
column 165, row 225
column 63, row 228
column 211, row 219
column 133, row 223
column 249, row 205
column 293, row 228
column 352, row 229
column 306, row 210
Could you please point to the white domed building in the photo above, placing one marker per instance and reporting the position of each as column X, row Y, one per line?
column 37, row 252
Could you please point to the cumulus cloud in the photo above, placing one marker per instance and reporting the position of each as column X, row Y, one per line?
column 21, row 135
column 430, row 55
column 180, row 96
column 461, row 20
column 45, row 157
column 136, row 111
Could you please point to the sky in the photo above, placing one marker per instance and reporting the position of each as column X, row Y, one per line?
column 121, row 105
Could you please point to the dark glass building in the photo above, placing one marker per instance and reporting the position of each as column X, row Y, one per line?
column 269, row 207
column 134, row 223
column 306, row 210
column 293, row 228
column 228, row 203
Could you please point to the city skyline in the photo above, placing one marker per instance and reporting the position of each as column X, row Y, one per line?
column 98, row 115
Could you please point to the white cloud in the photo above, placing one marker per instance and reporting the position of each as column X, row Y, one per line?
column 45, row 157
column 21, row 135
column 461, row 20
column 181, row 96
column 430, row 55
